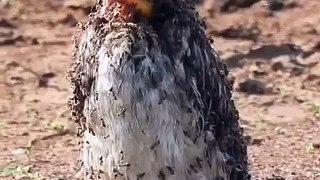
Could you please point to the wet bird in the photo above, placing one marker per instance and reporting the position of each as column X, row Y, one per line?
column 152, row 97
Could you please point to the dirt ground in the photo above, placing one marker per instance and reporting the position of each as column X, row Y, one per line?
column 273, row 53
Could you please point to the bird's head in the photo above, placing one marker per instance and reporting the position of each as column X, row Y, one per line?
column 144, row 7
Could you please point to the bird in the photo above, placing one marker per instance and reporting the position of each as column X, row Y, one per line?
column 152, row 96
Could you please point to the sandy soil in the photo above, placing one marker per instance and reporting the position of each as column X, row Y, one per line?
column 274, row 57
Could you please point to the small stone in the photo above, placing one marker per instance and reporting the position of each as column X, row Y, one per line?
column 276, row 66
column 281, row 63
column 230, row 5
column 252, row 86
column 69, row 20
column 25, row 134
column 256, row 141
column 316, row 145
column 280, row 130
column 44, row 79
column 267, row 102
column 16, row 80
column 250, row 33
column 276, row 5
column 247, row 139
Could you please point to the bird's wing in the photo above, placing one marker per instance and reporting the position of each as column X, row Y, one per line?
column 206, row 82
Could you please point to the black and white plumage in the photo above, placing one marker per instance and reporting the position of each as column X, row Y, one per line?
column 153, row 100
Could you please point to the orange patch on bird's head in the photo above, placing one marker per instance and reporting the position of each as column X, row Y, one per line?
column 144, row 7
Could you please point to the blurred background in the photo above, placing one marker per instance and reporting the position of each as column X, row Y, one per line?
column 272, row 48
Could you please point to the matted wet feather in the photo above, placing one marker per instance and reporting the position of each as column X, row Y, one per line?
column 153, row 101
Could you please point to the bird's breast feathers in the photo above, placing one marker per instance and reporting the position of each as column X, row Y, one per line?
column 141, row 122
